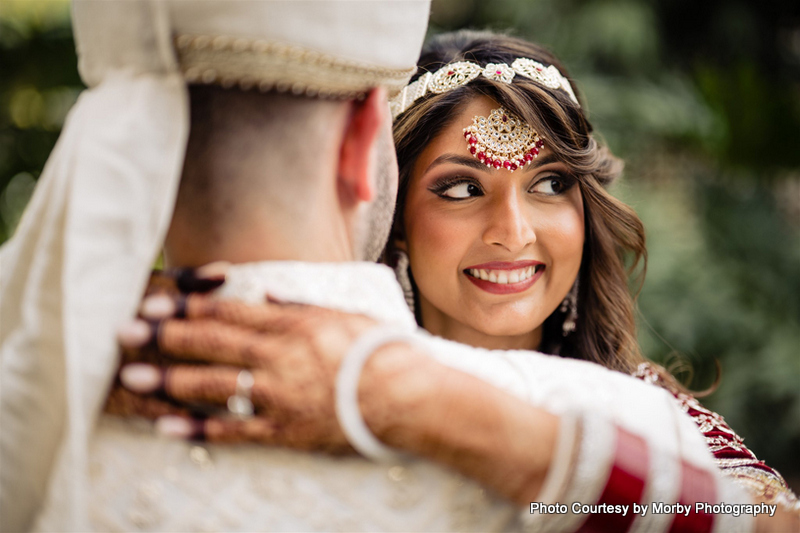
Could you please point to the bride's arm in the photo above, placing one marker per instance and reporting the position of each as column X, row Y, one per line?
column 413, row 403
column 408, row 400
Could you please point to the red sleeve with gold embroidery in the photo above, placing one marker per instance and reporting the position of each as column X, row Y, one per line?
column 733, row 458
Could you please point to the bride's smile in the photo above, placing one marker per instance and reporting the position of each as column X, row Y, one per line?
column 502, row 277
column 493, row 251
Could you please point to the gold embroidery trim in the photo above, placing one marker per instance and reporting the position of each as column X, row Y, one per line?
column 266, row 65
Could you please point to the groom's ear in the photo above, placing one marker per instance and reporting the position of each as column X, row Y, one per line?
column 356, row 169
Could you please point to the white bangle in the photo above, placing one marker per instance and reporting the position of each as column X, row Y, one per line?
column 347, row 410
column 560, row 470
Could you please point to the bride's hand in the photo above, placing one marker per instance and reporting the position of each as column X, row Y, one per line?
column 408, row 400
column 292, row 352
column 173, row 283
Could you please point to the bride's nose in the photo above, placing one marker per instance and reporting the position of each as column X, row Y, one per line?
column 509, row 223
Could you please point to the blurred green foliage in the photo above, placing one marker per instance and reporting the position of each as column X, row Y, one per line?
column 39, row 82
column 702, row 99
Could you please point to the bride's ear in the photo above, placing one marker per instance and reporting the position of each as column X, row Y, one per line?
column 356, row 169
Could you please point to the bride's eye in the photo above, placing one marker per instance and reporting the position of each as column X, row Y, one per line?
column 553, row 185
column 459, row 190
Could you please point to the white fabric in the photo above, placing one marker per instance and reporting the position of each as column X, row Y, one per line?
column 75, row 269
column 393, row 29
column 138, row 480
column 76, row 266
column 130, row 35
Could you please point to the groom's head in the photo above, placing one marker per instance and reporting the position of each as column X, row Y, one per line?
column 277, row 176
column 289, row 153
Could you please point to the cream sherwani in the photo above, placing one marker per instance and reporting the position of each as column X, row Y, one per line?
column 138, row 480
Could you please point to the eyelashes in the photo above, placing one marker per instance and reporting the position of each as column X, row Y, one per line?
column 458, row 188
column 454, row 188
column 562, row 182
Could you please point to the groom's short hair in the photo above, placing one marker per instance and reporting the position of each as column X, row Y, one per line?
column 245, row 146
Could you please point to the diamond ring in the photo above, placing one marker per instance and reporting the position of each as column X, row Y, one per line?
column 240, row 405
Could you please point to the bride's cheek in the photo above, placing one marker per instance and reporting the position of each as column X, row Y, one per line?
column 436, row 238
column 566, row 228
column 437, row 247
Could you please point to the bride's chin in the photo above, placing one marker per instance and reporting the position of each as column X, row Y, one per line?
column 506, row 328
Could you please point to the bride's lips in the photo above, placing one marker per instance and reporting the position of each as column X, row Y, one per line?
column 503, row 277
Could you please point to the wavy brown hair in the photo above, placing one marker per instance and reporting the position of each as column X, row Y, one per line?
column 615, row 239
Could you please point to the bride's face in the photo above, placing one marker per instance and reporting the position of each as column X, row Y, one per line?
column 465, row 222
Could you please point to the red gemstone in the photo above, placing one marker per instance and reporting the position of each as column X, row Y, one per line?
column 466, row 134
column 540, row 143
column 528, row 157
column 498, row 72
column 507, row 164
column 489, row 161
column 505, row 118
column 472, row 150
column 472, row 140
column 514, row 167
column 496, row 163
column 450, row 73
column 521, row 163
column 481, row 156
column 535, row 151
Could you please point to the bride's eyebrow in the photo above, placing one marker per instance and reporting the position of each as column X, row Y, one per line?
column 471, row 162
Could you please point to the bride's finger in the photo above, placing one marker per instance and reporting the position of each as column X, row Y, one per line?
column 260, row 430
column 219, row 430
column 202, row 385
column 271, row 317
column 181, row 427
column 202, row 279
column 123, row 402
column 199, row 385
column 212, row 341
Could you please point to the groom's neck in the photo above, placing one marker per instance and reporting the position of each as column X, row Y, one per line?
column 318, row 234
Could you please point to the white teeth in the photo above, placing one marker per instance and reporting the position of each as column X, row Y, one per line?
column 503, row 276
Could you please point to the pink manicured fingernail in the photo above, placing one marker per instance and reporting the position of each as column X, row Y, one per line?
column 158, row 307
column 174, row 426
column 134, row 334
column 215, row 270
column 141, row 378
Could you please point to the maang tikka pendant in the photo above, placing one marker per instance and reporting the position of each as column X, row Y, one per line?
column 502, row 140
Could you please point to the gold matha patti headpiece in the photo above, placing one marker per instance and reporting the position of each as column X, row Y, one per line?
column 503, row 140
column 459, row 73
